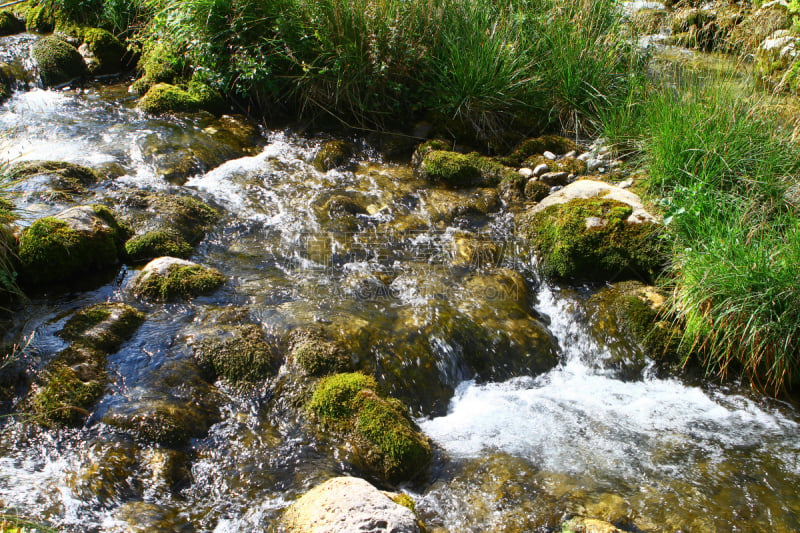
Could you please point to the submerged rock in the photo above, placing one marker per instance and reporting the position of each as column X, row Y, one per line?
column 316, row 354
column 333, row 154
column 76, row 378
column 588, row 525
column 237, row 353
column 73, row 242
column 58, row 61
column 167, row 278
column 590, row 230
column 347, row 504
column 106, row 472
column 142, row 517
column 379, row 433
column 63, row 177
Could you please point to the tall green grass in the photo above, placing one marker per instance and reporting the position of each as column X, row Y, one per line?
column 722, row 164
column 484, row 65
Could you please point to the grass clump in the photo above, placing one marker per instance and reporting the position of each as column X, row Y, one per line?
column 723, row 166
column 387, row 441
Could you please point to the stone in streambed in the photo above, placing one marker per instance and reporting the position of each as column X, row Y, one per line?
column 58, row 62
column 347, row 504
column 167, row 278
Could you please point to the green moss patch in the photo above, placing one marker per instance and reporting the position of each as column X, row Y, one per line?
column 105, row 50
column 67, row 394
column 387, row 441
column 243, row 355
column 462, row 170
column 103, row 326
column 9, row 24
column 590, row 239
column 164, row 98
column 158, row 243
column 159, row 64
column 64, row 177
column 179, row 282
column 58, row 61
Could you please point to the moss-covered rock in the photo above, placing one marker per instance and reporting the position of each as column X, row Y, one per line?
column 166, row 224
column 165, row 98
column 9, row 24
column 158, row 243
column 167, row 278
column 63, row 177
column 101, row 51
column 387, row 443
column 160, row 63
column 462, row 170
column 106, row 472
column 73, row 242
column 333, row 154
column 143, row 517
column 57, row 61
column 593, row 231
column 316, row 354
column 536, row 190
column 238, row 353
column 76, row 378
column 537, row 146
column 425, row 148
column 40, row 18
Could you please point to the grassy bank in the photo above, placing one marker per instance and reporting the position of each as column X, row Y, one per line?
column 723, row 165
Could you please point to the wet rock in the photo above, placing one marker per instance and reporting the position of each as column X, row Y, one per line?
column 101, row 51
column 588, row 525
column 106, row 473
column 627, row 318
column 554, row 178
column 76, row 378
column 474, row 252
column 141, row 517
column 538, row 146
column 541, row 169
column 333, row 154
column 384, row 441
column 591, row 230
column 237, row 353
column 167, row 278
column 9, row 24
column 316, row 354
column 425, row 148
column 57, row 61
column 62, row 177
column 462, row 170
column 339, row 206
column 71, row 243
column 166, row 224
column 346, row 504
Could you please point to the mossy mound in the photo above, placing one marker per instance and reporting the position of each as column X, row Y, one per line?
column 58, row 61
column 76, row 378
column 316, row 354
column 462, row 170
column 537, row 146
column 164, row 98
column 591, row 239
column 240, row 353
column 425, row 148
column 102, row 51
column 168, row 278
column 333, row 154
column 386, row 440
column 158, row 243
column 9, row 24
column 73, row 242
column 159, row 63
column 64, row 177
column 40, row 18
column 536, row 190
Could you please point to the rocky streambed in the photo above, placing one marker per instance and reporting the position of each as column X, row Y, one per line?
column 244, row 315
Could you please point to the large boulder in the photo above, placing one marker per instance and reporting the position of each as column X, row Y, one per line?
column 347, row 504
column 590, row 230
column 167, row 278
column 58, row 61
column 71, row 243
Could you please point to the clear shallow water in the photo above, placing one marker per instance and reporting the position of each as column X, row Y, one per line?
column 515, row 452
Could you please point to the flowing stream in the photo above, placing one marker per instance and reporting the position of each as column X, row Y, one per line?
column 516, row 450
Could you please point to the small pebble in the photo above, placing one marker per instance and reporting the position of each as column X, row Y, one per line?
column 625, row 184
column 585, row 156
column 593, row 164
column 540, row 169
column 573, row 153
column 555, row 178
column 526, row 172
column 550, row 155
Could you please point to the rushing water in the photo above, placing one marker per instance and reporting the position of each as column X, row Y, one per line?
column 515, row 451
